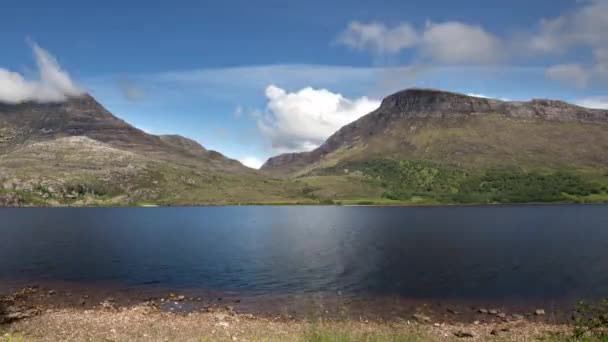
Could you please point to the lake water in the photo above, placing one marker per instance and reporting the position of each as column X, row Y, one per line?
column 465, row 253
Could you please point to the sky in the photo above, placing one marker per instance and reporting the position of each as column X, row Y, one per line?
column 252, row 79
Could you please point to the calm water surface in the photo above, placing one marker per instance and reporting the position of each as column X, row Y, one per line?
column 524, row 252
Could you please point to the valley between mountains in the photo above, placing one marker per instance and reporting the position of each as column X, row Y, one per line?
column 420, row 147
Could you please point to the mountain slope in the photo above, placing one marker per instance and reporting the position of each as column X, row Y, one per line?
column 84, row 116
column 78, row 153
column 439, row 131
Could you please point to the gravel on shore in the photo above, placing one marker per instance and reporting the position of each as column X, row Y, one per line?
column 148, row 323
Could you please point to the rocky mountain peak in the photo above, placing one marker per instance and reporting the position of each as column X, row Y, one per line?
column 77, row 116
column 431, row 102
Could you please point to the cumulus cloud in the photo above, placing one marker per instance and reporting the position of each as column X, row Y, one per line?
column 458, row 43
column 582, row 28
column 53, row 83
column 449, row 42
column 252, row 162
column 378, row 37
column 585, row 26
column 569, row 74
column 598, row 102
column 302, row 120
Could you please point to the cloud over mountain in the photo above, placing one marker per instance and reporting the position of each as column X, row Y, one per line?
column 52, row 85
column 302, row 120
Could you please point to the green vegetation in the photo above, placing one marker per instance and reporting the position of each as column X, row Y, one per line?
column 371, row 182
column 424, row 182
column 591, row 321
column 590, row 324
column 519, row 187
column 404, row 179
column 11, row 338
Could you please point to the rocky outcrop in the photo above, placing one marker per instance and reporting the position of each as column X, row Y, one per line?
column 79, row 116
column 425, row 103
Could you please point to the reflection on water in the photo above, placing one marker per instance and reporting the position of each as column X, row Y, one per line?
column 526, row 252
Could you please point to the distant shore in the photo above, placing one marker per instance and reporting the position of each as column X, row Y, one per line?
column 395, row 204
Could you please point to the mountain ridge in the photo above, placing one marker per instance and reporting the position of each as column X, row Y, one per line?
column 85, row 116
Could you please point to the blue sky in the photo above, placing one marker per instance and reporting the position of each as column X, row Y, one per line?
column 253, row 79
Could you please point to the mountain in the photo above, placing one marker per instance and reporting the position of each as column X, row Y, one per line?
column 78, row 153
column 419, row 146
column 433, row 143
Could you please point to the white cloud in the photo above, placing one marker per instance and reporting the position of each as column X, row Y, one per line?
column 598, row 102
column 378, row 38
column 583, row 28
column 53, row 83
column 302, row 120
column 458, row 43
column 569, row 74
column 449, row 42
column 252, row 162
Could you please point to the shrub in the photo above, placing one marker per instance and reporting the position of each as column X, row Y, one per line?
column 84, row 188
column 591, row 320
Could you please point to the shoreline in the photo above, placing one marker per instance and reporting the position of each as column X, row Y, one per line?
column 69, row 317
column 286, row 306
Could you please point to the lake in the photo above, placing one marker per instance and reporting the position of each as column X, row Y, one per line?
column 476, row 253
